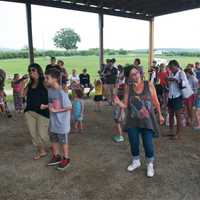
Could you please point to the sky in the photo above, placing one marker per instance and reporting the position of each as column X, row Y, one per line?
column 179, row 30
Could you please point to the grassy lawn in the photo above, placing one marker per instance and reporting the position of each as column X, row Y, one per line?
column 12, row 66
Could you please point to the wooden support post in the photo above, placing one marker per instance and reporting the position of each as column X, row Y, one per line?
column 151, row 42
column 101, row 34
column 29, row 30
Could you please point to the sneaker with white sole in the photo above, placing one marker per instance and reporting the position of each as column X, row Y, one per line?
column 150, row 170
column 134, row 165
column 118, row 138
column 55, row 160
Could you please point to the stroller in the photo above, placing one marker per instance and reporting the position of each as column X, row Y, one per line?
column 3, row 103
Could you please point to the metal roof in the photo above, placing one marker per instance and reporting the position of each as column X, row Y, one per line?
column 138, row 9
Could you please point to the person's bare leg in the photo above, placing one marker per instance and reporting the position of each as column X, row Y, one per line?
column 119, row 129
column 186, row 111
column 178, row 127
column 81, row 126
column 99, row 106
column 197, row 118
column 95, row 108
column 190, row 115
column 76, row 126
column 109, row 95
column 171, row 121
column 165, row 97
column 55, row 149
column 41, row 152
column 91, row 88
column 65, row 150
column 2, row 108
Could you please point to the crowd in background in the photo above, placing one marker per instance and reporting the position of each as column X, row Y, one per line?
column 135, row 96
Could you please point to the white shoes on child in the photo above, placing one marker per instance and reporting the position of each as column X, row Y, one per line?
column 136, row 164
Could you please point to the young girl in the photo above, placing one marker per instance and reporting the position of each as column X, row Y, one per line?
column 18, row 100
column 98, row 95
column 197, row 109
column 119, row 115
column 78, row 110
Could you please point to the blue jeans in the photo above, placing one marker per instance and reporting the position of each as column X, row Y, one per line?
column 147, row 138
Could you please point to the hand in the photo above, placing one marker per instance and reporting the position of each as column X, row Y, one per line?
column 161, row 119
column 52, row 109
column 116, row 99
column 43, row 107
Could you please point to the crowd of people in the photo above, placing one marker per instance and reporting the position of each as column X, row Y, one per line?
column 135, row 96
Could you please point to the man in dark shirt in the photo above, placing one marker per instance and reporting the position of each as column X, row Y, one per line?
column 52, row 65
column 85, row 81
column 110, row 81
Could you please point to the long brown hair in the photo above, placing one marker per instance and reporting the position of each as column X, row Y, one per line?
column 39, row 71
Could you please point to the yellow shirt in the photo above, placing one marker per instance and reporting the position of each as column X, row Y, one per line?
column 98, row 90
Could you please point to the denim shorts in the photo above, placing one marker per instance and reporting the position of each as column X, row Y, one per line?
column 58, row 138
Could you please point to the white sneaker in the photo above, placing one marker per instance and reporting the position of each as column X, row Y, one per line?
column 150, row 170
column 135, row 164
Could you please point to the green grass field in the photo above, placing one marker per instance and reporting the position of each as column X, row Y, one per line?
column 12, row 66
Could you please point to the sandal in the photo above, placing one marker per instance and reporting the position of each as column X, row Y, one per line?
column 38, row 156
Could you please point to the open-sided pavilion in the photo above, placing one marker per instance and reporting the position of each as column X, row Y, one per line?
column 136, row 9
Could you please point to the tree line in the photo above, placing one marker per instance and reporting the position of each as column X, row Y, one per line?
column 39, row 53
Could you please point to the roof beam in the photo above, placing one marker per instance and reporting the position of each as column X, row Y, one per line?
column 87, row 8
column 138, row 9
column 177, row 7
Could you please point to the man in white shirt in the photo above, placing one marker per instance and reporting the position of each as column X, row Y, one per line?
column 74, row 77
column 176, row 81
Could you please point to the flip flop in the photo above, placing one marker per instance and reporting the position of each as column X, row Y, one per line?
column 39, row 156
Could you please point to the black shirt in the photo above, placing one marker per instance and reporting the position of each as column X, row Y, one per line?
column 50, row 66
column 36, row 97
column 84, row 79
column 110, row 75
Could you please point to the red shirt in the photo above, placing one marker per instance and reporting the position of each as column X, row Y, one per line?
column 162, row 76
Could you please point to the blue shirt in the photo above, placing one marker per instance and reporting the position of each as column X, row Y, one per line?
column 78, row 107
column 59, row 121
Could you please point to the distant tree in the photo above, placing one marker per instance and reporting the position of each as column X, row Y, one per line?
column 66, row 38
column 123, row 52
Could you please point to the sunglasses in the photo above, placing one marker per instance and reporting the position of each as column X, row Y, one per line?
column 32, row 70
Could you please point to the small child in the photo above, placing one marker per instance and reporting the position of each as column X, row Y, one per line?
column 197, row 109
column 98, row 98
column 59, row 125
column 78, row 110
column 17, row 97
column 119, row 115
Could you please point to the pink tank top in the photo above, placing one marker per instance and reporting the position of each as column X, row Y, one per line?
column 16, row 87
